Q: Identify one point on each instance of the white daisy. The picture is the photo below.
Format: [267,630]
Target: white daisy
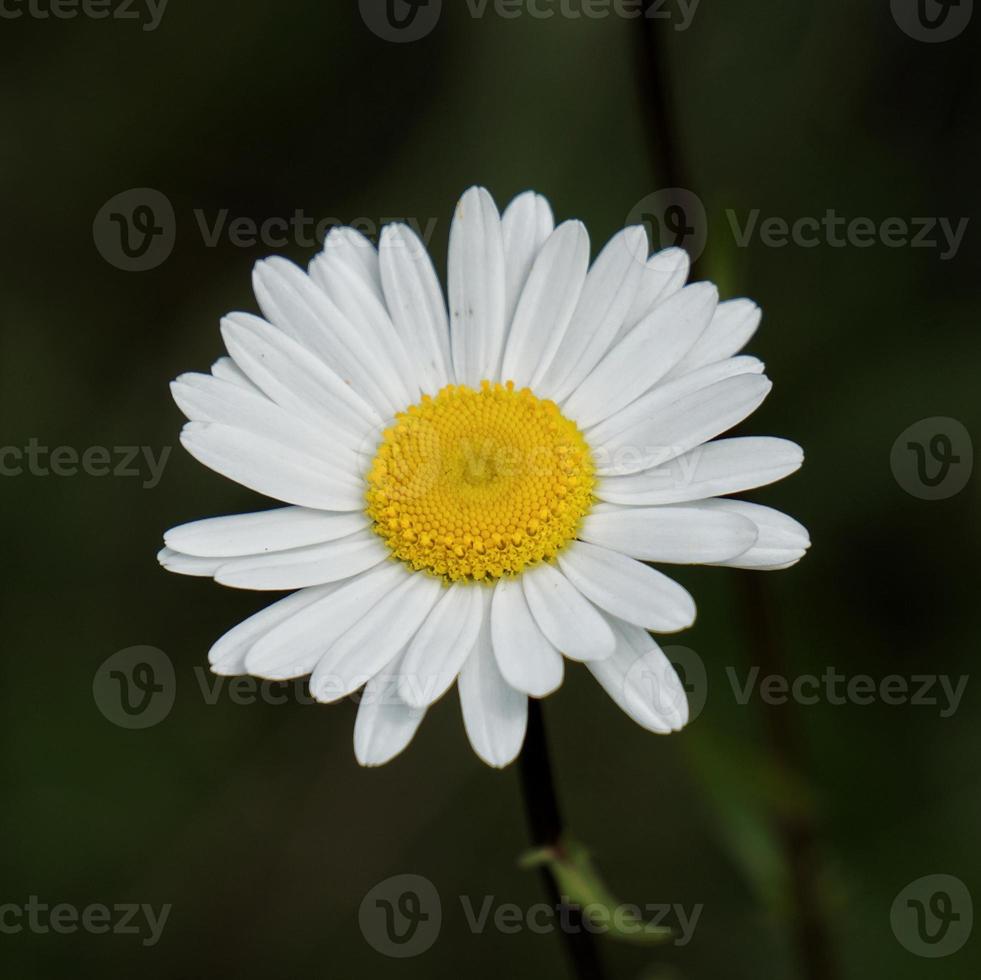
[474,495]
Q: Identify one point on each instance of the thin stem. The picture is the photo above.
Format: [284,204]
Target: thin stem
[545,827]
[796,827]
[656,102]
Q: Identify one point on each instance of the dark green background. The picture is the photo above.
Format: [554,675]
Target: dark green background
[255,821]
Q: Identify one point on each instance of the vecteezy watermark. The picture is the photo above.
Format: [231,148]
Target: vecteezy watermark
[919,690]
[402,21]
[136,687]
[837,231]
[675,216]
[647,685]
[136,230]
[669,469]
[624,919]
[679,12]
[933,916]
[401,916]
[124,462]
[933,459]
[148,13]
[932,21]
[40,918]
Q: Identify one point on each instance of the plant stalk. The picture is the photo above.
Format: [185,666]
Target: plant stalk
[545,826]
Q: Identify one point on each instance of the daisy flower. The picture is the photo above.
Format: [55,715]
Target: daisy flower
[476,489]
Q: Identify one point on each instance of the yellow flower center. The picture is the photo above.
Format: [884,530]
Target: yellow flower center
[472,485]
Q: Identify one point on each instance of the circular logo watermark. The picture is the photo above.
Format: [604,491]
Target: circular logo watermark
[933,459]
[401,21]
[666,687]
[401,916]
[674,217]
[135,231]
[932,21]
[136,687]
[933,916]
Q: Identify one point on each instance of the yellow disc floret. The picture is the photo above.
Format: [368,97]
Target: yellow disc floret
[475,485]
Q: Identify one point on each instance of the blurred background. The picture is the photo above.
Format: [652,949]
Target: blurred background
[792,831]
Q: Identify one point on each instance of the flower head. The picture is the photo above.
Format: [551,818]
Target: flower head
[476,489]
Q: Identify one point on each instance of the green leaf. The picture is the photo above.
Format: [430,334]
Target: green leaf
[582,887]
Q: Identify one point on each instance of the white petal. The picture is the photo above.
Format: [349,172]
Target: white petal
[261,532]
[359,253]
[292,301]
[664,274]
[495,715]
[444,641]
[227,656]
[292,648]
[271,469]
[476,288]
[733,325]
[679,427]
[781,540]
[642,681]
[677,534]
[547,303]
[298,380]
[339,272]
[526,224]
[527,660]
[711,470]
[298,568]
[665,394]
[644,356]
[375,640]
[628,589]
[203,398]
[570,622]
[385,723]
[225,369]
[607,297]
[415,301]
[180,564]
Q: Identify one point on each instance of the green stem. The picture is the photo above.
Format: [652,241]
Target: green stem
[545,826]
